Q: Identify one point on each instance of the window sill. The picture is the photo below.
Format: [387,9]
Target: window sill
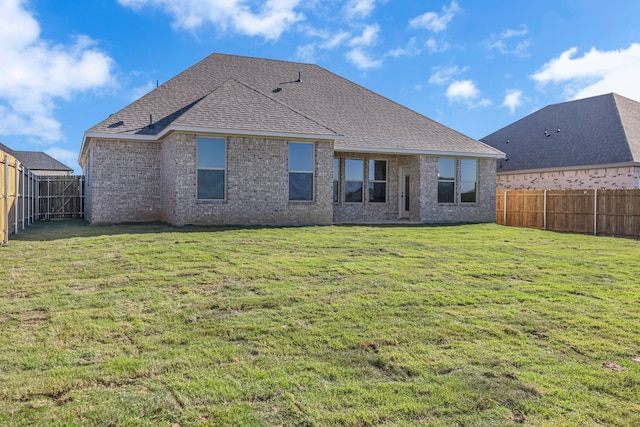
[210,202]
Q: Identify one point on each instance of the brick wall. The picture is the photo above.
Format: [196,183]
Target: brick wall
[124,181]
[612,177]
[132,181]
[365,211]
[257,179]
[433,212]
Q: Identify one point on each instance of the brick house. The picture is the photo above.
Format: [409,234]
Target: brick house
[589,143]
[239,140]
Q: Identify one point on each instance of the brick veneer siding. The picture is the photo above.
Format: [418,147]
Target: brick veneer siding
[366,211]
[433,212]
[588,178]
[124,181]
[257,184]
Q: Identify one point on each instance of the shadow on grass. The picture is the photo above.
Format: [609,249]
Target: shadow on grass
[72,228]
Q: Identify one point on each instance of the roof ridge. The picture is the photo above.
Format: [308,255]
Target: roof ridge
[279,102]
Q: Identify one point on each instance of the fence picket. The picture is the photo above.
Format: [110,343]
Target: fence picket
[610,212]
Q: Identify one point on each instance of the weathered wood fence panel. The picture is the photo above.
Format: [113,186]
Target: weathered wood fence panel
[61,197]
[598,212]
[18,196]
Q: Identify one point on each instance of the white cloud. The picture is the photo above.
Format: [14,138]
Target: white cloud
[502,42]
[436,22]
[595,73]
[68,157]
[409,50]
[513,99]
[35,73]
[443,75]
[306,53]
[465,91]
[270,21]
[359,8]
[335,40]
[369,36]
[435,47]
[362,60]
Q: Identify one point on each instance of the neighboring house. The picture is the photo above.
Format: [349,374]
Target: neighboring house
[239,140]
[584,144]
[39,163]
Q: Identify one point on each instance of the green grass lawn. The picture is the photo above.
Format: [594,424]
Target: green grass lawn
[467,325]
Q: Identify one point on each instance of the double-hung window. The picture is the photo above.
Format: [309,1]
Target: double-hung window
[377,181]
[336,180]
[211,161]
[468,181]
[446,180]
[301,161]
[353,180]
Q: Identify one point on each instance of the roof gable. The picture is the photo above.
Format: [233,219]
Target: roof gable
[233,106]
[588,131]
[314,98]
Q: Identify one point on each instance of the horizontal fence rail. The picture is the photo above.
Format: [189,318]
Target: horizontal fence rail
[599,212]
[61,197]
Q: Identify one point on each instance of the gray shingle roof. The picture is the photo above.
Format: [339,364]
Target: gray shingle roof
[37,160]
[234,92]
[599,130]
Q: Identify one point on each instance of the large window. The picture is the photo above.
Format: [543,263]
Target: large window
[468,181]
[211,168]
[377,181]
[446,180]
[353,180]
[336,180]
[301,171]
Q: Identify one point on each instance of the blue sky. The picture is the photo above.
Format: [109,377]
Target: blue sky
[472,65]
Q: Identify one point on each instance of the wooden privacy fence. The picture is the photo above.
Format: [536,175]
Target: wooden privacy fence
[61,197]
[597,212]
[18,196]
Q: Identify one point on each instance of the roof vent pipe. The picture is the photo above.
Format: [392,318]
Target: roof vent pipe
[151,125]
[299,77]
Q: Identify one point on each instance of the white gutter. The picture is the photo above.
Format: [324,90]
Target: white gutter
[338,147]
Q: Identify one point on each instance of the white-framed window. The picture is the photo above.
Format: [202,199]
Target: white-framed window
[211,161]
[377,181]
[353,180]
[336,180]
[446,180]
[301,161]
[468,181]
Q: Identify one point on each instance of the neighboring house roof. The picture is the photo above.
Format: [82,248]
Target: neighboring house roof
[601,130]
[6,149]
[37,160]
[235,93]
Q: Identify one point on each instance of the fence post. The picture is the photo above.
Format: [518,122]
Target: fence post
[504,219]
[595,212]
[6,199]
[15,200]
[544,208]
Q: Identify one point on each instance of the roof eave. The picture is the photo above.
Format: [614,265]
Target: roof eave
[198,129]
[570,168]
[409,151]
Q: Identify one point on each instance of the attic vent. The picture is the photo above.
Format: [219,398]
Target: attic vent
[116,124]
[276,90]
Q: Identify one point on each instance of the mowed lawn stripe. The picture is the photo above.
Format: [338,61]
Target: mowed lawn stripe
[338,325]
